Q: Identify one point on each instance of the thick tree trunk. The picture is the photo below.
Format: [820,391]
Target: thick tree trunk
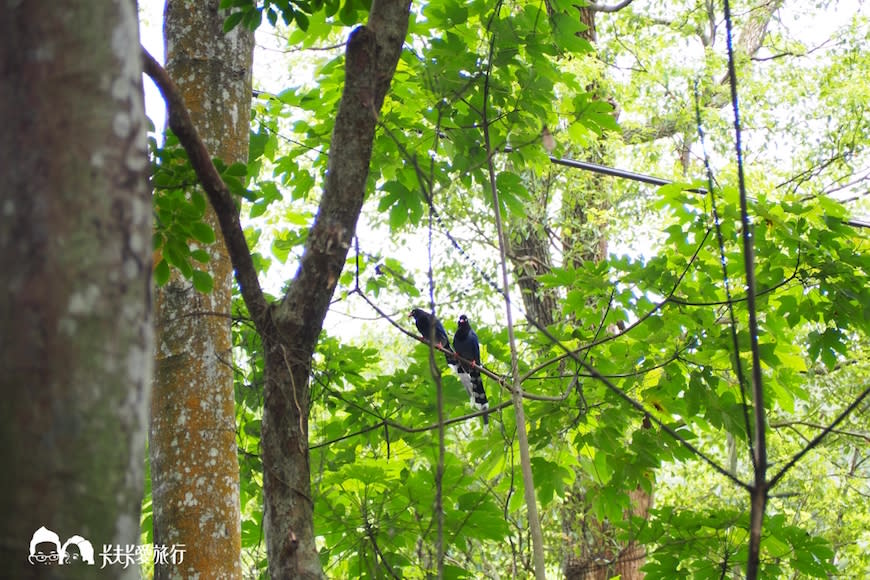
[530,257]
[290,328]
[370,61]
[75,297]
[593,553]
[194,462]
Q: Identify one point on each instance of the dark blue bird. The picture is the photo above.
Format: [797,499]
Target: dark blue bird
[423,320]
[467,346]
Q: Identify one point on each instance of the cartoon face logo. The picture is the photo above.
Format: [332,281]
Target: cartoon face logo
[77,549]
[45,549]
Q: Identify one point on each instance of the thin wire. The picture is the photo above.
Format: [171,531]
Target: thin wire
[855,221]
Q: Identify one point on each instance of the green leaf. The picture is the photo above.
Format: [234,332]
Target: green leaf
[832,208]
[301,20]
[398,215]
[233,20]
[237,169]
[200,256]
[258,208]
[257,144]
[202,281]
[202,232]
[566,29]
[176,252]
[197,200]
[161,272]
[550,479]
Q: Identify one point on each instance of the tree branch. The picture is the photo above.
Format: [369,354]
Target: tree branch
[818,439]
[637,405]
[217,191]
[752,35]
[370,61]
[604,8]
[781,424]
[517,395]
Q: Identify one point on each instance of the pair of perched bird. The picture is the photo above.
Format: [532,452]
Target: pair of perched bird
[465,344]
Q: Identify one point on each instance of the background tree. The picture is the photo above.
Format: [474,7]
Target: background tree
[194,465]
[289,329]
[75,321]
[466,282]
[577,231]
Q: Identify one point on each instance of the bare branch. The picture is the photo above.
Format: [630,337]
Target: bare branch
[782,424]
[605,8]
[217,191]
[522,436]
[818,439]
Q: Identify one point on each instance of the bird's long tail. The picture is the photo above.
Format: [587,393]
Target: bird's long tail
[473,383]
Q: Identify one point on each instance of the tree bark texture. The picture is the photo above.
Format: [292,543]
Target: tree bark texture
[594,553]
[194,463]
[290,328]
[75,274]
[530,256]
[371,55]
[591,551]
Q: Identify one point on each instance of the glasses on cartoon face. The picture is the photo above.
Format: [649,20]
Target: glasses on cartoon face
[45,553]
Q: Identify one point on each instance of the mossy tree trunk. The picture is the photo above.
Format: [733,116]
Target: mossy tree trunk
[194,462]
[75,282]
[290,327]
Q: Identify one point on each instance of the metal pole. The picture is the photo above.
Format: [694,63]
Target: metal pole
[857,222]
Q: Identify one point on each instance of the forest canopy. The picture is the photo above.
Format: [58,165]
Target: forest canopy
[676,351]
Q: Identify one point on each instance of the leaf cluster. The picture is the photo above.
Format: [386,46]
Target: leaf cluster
[182,232]
[655,325]
[249,13]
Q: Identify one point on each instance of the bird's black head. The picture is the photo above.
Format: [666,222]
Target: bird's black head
[415,313]
[463,321]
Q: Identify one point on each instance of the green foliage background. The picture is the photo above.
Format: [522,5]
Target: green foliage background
[373,438]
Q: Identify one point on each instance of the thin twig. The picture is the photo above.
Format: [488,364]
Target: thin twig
[522,436]
[760,487]
[637,405]
[818,439]
[738,362]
